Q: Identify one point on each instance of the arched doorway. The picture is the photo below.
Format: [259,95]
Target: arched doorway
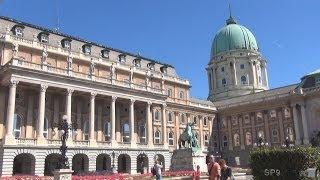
[24,164]
[160,159]
[103,162]
[51,163]
[80,163]
[124,163]
[142,163]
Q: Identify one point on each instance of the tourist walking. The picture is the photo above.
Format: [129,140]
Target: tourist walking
[157,169]
[226,171]
[213,169]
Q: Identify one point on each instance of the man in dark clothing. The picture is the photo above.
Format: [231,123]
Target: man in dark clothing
[226,172]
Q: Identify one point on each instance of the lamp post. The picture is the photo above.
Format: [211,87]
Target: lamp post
[64,128]
[287,143]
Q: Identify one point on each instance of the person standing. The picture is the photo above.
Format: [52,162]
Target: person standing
[226,171]
[157,168]
[214,169]
[196,175]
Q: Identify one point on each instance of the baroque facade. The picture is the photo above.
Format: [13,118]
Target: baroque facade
[126,110]
[247,108]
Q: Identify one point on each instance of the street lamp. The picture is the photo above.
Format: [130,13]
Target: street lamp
[64,128]
[287,143]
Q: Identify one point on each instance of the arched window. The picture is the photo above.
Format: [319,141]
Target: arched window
[45,127]
[289,132]
[181,95]
[169,92]
[205,123]
[215,141]
[142,133]
[125,132]
[170,138]
[248,138]
[17,125]
[170,117]
[107,131]
[195,119]
[224,82]
[225,141]
[236,139]
[182,119]
[156,115]
[206,140]
[157,137]
[243,80]
[275,136]
[86,131]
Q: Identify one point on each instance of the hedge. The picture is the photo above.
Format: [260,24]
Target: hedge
[282,163]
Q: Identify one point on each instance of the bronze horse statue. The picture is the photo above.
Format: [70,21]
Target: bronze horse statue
[188,136]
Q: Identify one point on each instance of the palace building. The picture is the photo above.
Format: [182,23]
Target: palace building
[126,110]
[246,107]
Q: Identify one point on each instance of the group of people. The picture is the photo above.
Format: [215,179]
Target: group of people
[218,170]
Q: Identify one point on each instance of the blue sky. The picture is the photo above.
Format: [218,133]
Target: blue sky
[180,32]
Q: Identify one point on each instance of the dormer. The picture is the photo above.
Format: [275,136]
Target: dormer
[122,58]
[43,37]
[17,30]
[86,49]
[164,69]
[137,62]
[151,66]
[105,53]
[66,43]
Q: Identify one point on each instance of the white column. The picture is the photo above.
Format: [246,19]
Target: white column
[296,125]
[304,124]
[214,74]
[9,138]
[92,119]
[235,73]
[149,123]
[164,125]
[113,119]
[68,105]
[131,119]
[41,114]
[68,113]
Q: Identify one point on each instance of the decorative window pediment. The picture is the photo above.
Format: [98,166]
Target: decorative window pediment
[43,37]
[86,49]
[17,30]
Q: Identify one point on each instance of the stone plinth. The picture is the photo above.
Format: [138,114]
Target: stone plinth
[188,159]
[62,174]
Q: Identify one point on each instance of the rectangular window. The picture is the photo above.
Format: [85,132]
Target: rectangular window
[241,66]
[19,31]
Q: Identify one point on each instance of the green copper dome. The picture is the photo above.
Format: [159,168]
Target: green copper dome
[231,37]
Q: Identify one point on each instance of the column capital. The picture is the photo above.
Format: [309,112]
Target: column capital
[164,105]
[70,91]
[93,94]
[114,98]
[132,100]
[149,103]
[13,82]
[43,87]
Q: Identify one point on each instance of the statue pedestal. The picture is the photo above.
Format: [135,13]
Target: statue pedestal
[62,174]
[188,159]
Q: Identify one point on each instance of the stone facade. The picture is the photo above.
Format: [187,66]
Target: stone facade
[126,110]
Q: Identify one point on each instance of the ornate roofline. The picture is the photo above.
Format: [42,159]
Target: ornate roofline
[80,39]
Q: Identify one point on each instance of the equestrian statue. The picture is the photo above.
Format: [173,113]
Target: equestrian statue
[189,137]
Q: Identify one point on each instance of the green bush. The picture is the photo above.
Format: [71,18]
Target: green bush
[282,163]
